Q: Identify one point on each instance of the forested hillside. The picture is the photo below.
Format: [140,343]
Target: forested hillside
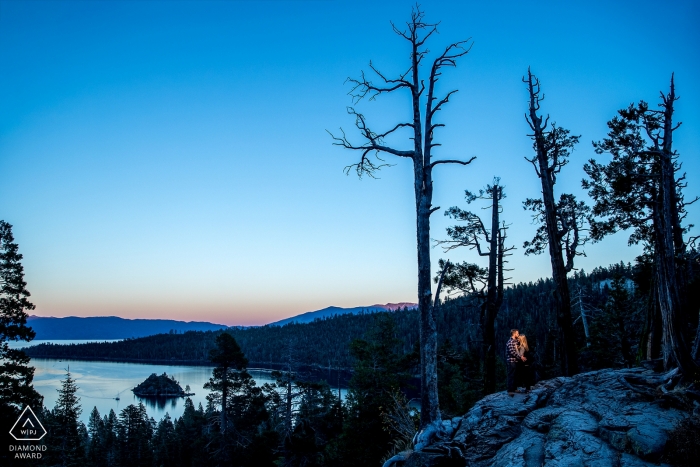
[326,343]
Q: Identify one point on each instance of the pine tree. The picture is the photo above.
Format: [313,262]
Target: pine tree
[135,431]
[110,438]
[230,363]
[189,429]
[66,441]
[244,418]
[615,327]
[96,426]
[640,189]
[16,390]
[164,447]
[379,373]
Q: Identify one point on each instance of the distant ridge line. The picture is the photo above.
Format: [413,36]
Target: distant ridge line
[114,327]
[396,306]
[335,311]
[111,327]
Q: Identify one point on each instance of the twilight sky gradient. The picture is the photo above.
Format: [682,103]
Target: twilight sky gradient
[170,159]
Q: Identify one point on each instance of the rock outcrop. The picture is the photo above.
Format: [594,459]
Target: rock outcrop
[160,386]
[603,418]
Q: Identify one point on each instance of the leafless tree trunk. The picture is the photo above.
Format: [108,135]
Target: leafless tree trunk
[421,132]
[584,318]
[669,247]
[696,343]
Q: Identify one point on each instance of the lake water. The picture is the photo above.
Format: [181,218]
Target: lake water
[100,383]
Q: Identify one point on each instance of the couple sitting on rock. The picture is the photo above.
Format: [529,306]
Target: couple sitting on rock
[518,361]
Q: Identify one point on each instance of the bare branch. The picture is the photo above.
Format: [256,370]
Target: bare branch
[400,125]
[430,33]
[533,161]
[451,161]
[363,87]
[401,78]
[442,101]
[374,140]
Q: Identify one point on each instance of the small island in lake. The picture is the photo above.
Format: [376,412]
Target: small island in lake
[161,386]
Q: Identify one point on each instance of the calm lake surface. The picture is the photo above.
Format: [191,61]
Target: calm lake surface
[100,383]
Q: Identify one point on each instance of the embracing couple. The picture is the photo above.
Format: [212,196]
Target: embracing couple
[518,361]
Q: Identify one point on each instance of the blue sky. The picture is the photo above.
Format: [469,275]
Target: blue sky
[171,160]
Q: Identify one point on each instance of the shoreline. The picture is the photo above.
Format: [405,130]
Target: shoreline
[316,372]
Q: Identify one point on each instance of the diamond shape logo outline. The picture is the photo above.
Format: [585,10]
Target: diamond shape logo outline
[28,418]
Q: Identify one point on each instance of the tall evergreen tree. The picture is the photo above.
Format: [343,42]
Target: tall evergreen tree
[134,432]
[230,361]
[243,420]
[379,372]
[639,190]
[614,328]
[189,431]
[16,390]
[109,435]
[96,427]
[164,443]
[66,443]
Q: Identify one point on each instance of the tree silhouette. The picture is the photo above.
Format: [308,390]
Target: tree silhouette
[488,242]
[639,190]
[230,361]
[135,431]
[561,222]
[421,129]
[65,427]
[379,372]
[16,390]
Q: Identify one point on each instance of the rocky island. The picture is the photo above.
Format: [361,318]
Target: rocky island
[161,386]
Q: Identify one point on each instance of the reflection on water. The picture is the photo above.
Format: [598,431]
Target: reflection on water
[160,403]
[107,385]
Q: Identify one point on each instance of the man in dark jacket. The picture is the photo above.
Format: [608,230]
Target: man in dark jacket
[512,357]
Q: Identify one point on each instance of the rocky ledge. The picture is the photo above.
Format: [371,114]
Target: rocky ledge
[604,418]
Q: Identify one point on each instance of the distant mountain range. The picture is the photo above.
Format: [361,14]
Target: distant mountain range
[335,310]
[113,327]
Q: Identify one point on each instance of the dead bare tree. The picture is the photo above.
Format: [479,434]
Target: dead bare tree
[421,129]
